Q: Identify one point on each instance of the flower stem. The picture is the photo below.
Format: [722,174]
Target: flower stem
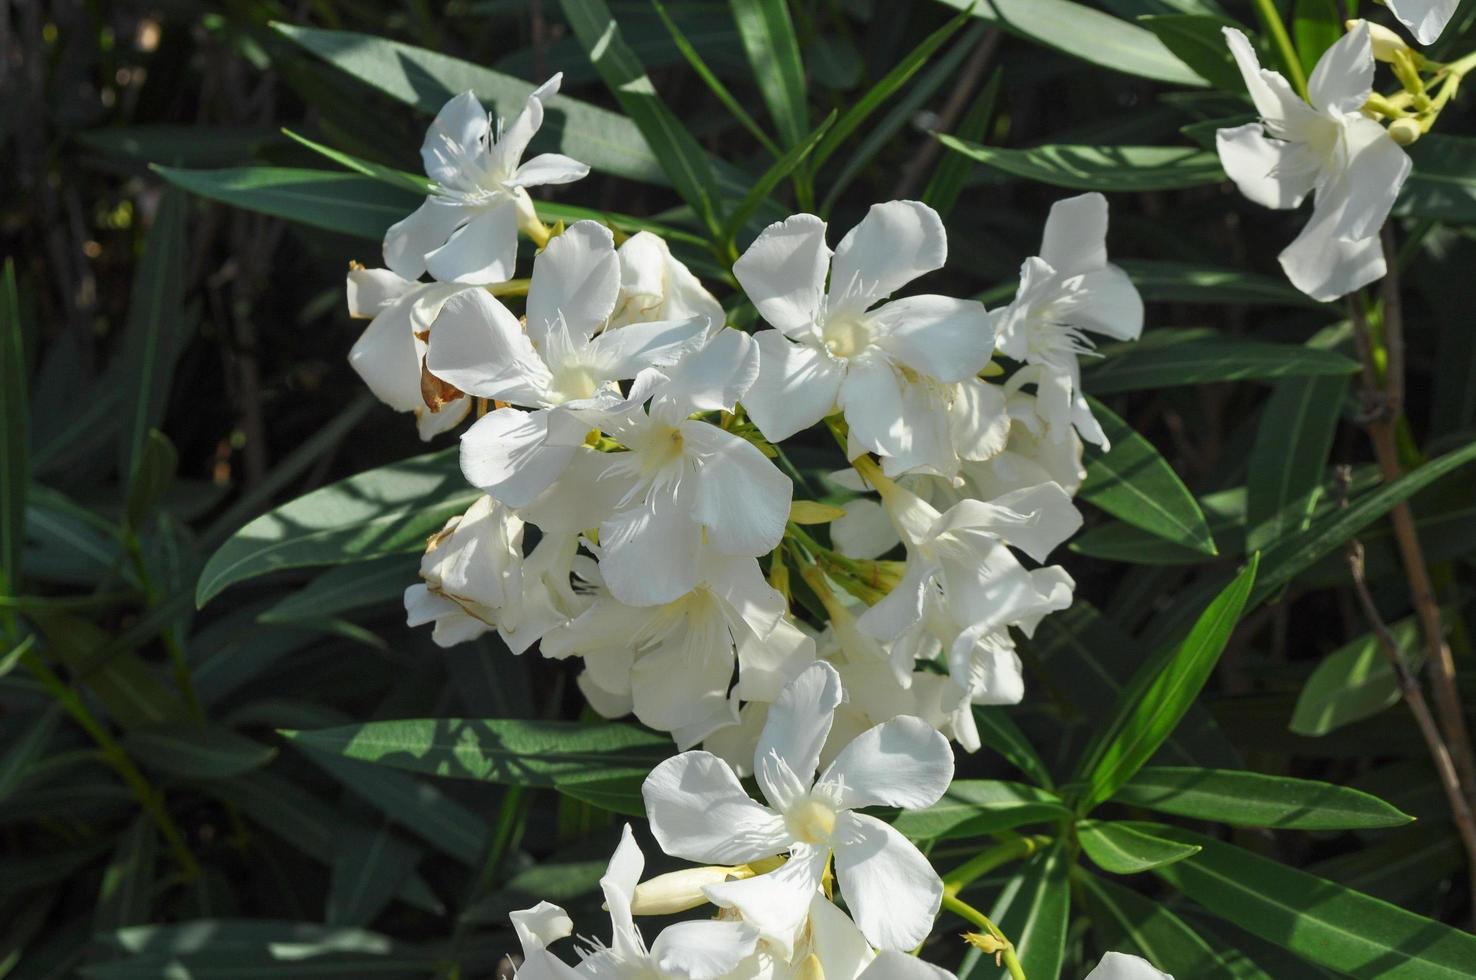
[965,911]
[989,859]
[1271,20]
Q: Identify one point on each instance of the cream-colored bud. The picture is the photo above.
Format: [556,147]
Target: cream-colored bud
[1405,130]
[678,891]
[1386,44]
[811,969]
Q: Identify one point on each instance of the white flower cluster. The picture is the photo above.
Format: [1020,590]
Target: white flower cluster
[634,516]
[625,444]
[768,869]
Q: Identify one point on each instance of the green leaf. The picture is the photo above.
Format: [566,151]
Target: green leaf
[773,52]
[1122,849]
[1316,26]
[349,204]
[607,141]
[952,171]
[677,150]
[369,867]
[1124,920]
[885,88]
[25,749]
[129,688]
[1249,799]
[342,589]
[1316,918]
[999,731]
[1442,185]
[765,185]
[603,764]
[1289,458]
[155,330]
[14,444]
[198,751]
[1184,282]
[1198,42]
[390,510]
[1099,168]
[1354,682]
[1224,512]
[975,807]
[1032,910]
[184,146]
[1173,358]
[126,895]
[1086,34]
[1160,694]
[155,472]
[1133,483]
[388,175]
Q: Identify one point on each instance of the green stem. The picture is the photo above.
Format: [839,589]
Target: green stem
[989,859]
[1271,20]
[180,666]
[115,756]
[966,911]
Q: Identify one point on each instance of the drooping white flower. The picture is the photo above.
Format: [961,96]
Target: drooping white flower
[904,373]
[1328,148]
[1066,292]
[537,927]
[655,285]
[390,354]
[699,811]
[1426,19]
[1123,966]
[697,950]
[564,366]
[673,664]
[467,229]
[686,482]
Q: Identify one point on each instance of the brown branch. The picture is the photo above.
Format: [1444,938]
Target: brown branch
[1383,399]
[958,100]
[1414,696]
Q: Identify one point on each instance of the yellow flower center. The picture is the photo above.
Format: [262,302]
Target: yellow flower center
[811,822]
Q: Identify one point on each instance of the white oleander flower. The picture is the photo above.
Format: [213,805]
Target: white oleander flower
[1328,148]
[904,373]
[829,947]
[564,365]
[1066,292]
[1426,19]
[390,354]
[654,285]
[1122,966]
[697,950]
[467,229]
[686,482]
[865,531]
[536,928]
[700,812]
[900,966]
[673,664]
[1034,454]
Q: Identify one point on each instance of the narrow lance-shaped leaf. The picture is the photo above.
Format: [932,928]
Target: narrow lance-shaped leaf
[975,807]
[369,867]
[952,170]
[773,52]
[1250,799]
[1133,483]
[1354,682]
[125,896]
[1099,168]
[1160,695]
[1171,358]
[14,445]
[1123,849]
[1033,911]
[1199,42]
[765,185]
[1315,918]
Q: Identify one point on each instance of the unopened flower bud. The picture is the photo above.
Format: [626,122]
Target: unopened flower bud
[1386,44]
[1405,130]
[679,891]
[984,942]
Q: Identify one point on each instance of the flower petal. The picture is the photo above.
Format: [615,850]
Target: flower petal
[457,133]
[482,252]
[901,608]
[777,903]
[894,244]
[650,552]
[1274,98]
[903,763]
[477,345]
[767,663]
[836,942]
[865,531]
[622,353]
[1325,266]
[411,239]
[871,399]
[713,378]
[1121,966]
[514,139]
[1110,304]
[536,928]
[1258,165]
[1343,78]
[618,884]
[799,721]
[1426,19]
[1376,173]
[892,891]
[742,498]
[1036,519]
[371,290]
[386,358]
[783,272]
[1075,238]
[506,455]
[703,950]
[685,679]
[796,386]
[945,338]
[657,286]
[700,812]
[576,279]
[892,965]
[548,168]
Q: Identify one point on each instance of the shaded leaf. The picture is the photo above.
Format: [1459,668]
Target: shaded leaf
[1198,42]
[1099,168]
[369,867]
[125,897]
[199,751]
[1289,458]
[1171,358]
[349,204]
[1123,849]
[14,434]
[1354,682]
[1126,921]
